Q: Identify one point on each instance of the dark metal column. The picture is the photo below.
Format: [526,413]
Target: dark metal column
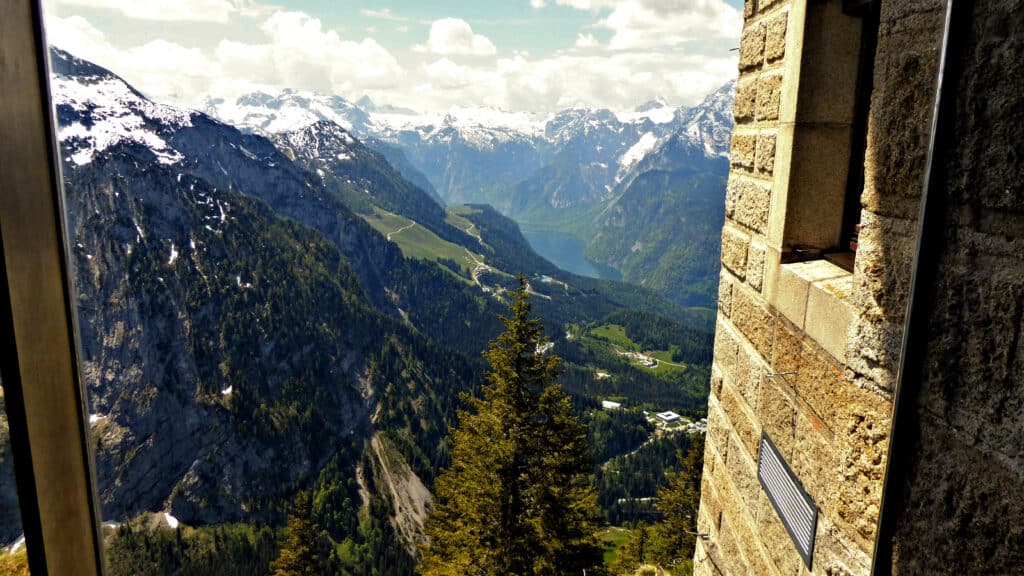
[44,398]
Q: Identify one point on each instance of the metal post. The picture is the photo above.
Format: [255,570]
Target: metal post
[39,366]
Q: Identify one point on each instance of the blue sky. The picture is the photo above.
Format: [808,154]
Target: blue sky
[429,55]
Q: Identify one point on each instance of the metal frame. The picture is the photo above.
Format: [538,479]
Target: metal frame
[767,444]
[49,433]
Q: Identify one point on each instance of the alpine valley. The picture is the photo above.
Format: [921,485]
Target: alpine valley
[292,292]
[641,191]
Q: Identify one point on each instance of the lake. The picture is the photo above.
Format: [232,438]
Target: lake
[566,252]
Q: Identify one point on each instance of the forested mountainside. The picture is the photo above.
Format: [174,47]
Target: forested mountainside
[659,170]
[260,317]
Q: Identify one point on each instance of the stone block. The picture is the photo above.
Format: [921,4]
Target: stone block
[867,421]
[769,97]
[753,319]
[748,202]
[777,543]
[716,380]
[742,468]
[741,418]
[745,104]
[822,384]
[816,461]
[766,5]
[755,266]
[776,411]
[748,8]
[725,294]
[752,47]
[775,41]
[794,283]
[718,429]
[727,552]
[726,348]
[764,157]
[734,251]
[829,313]
[709,504]
[835,553]
[748,375]
[788,351]
[742,151]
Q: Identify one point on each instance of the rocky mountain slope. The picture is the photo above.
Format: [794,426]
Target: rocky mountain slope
[570,172]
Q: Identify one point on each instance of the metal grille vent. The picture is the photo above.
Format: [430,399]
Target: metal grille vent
[794,505]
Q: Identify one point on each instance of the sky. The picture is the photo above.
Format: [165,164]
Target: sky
[535,56]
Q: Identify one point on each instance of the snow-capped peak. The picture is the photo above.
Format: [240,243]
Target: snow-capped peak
[116,113]
[288,111]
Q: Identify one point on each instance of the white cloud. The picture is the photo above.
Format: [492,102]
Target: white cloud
[586,41]
[383,14]
[645,24]
[538,3]
[300,53]
[455,36]
[159,68]
[297,51]
[190,10]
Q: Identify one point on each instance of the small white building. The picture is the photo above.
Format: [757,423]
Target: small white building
[668,417]
[609,405]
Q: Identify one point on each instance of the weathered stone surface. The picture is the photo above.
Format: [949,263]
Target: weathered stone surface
[788,348]
[725,294]
[726,348]
[742,151]
[769,96]
[745,103]
[779,546]
[709,503]
[775,43]
[748,375]
[718,429]
[752,46]
[764,160]
[835,554]
[776,411]
[750,202]
[755,266]
[734,251]
[866,435]
[716,380]
[743,471]
[905,71]
[753,319]
[816,461]
[822,385]
[830,314]
[741,418]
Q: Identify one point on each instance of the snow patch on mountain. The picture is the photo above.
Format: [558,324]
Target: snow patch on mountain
[637,151]
[117,114]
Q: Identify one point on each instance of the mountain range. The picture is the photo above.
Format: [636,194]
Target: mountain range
[262,312]
[570,172]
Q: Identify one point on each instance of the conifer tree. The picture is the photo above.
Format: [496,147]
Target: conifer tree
[515,500]
[679,501]
[302,551]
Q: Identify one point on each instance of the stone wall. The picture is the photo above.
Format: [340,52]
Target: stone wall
[804,350]
[963,500]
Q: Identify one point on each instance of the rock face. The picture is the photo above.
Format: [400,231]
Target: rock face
[199,254]
[965,478]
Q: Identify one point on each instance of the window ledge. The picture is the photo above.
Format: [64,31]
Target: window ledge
[816,295]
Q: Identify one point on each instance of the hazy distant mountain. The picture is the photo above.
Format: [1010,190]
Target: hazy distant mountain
[573,171]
